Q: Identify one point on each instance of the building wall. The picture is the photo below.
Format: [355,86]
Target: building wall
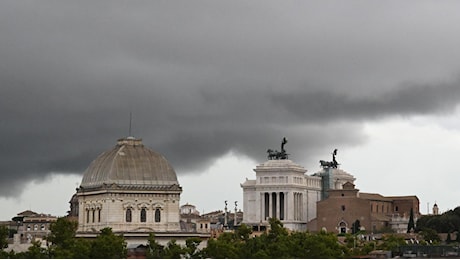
[283,185]
[280,190]
[404,205]
[374,211]
[344,209]
[112,208]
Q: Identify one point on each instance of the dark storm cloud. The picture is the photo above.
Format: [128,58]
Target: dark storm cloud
[204,78]
[410,100]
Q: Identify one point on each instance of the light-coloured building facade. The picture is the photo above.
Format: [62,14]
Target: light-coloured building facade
[283,190]
[134,191]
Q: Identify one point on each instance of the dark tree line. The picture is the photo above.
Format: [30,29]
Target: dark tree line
[64,244]
[276,243]
[447,222]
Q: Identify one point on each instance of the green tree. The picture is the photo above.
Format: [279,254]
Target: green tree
[36,251]
[108,245]
[4,233]
[277,240]
[81,248]
[449,238]
[449,221]
[323,245]
[225,246]
[191,248]
[243,232]
[411,224]
[154,249]
[430,235]
[173,250]
[391,242]
[356,227]
[62,238]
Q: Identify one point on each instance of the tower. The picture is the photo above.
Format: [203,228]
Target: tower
[435,209]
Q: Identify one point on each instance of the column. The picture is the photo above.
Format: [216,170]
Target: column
[261,206]
[281,206]
[270,205]
[266,206]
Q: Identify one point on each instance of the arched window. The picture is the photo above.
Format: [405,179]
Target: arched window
[143,215]
[42,228]
[35,227]
[129,215]
[87,216]
[157,215]
[99,215]
[93,214]
[342,227]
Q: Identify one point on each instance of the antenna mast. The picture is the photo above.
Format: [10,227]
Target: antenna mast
[130,121]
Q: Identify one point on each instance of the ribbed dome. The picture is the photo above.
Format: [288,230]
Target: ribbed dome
[130,164]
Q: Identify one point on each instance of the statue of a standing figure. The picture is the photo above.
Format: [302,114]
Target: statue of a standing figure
[334,162]
[283,154]
[282,144]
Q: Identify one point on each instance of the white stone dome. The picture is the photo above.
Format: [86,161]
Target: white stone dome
[130,165]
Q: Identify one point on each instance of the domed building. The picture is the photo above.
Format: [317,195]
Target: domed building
[132,190]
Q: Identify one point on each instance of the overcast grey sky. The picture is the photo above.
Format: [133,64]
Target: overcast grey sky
[207,78]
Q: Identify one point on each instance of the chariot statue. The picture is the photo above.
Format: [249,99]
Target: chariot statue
[332,164]
[275,155]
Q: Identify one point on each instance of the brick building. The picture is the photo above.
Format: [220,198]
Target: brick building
[343,207]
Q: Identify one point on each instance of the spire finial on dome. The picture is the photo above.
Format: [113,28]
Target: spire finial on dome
[130,121]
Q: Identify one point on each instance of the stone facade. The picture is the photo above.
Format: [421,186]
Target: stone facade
[132,190]
[283,190]
[129,211]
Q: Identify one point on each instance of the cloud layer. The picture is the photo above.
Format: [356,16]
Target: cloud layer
[203,77]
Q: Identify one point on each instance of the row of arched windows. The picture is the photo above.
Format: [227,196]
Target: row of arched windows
[91,215]
[42,227]
[143,215]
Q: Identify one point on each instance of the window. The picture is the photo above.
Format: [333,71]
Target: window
[129,215]
[396,208]
[157,215]
[343,207]
[143,215]
[87,216]
[206,226]
[342,227]
[42,228]
[35,227]
[99,215]
[93,211]
[28,227]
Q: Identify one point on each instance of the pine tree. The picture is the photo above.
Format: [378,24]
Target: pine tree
[411,225]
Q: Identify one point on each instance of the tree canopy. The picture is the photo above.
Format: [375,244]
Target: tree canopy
[447,222]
